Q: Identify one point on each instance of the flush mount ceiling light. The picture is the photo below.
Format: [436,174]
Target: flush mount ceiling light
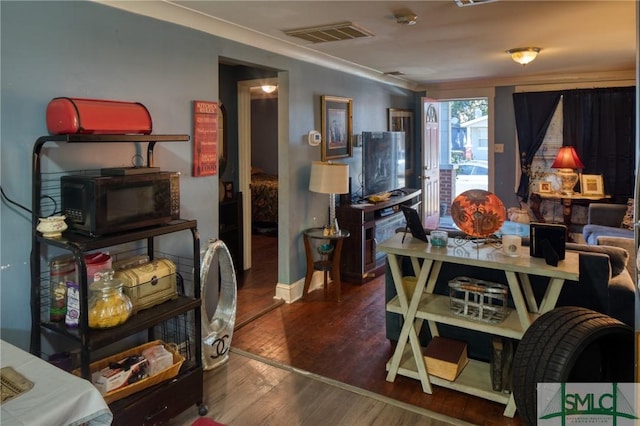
[524,55]
[269,88]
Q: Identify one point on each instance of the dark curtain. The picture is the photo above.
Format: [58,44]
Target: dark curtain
[600,124]
[533,113]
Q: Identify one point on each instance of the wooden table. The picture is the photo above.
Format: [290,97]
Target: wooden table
[423,304]
[567,201]
[57,397]
[331,262]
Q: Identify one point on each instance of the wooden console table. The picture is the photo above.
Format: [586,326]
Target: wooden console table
[423,304]
[567,203]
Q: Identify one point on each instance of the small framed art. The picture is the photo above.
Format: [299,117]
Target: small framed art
[401,120]
[544,187]
[592,185]
[337,127]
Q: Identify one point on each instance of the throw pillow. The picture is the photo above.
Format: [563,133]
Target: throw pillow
[627,221]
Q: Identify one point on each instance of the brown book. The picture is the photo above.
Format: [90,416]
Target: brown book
[445,358]
[497,362]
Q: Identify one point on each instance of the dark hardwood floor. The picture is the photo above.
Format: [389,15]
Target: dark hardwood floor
[342,341]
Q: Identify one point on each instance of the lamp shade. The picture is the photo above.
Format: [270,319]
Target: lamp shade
[329,178]
[567,158]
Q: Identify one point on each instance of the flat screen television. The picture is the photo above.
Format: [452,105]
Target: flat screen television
[382,162]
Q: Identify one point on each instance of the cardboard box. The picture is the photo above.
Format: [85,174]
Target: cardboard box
[114,376]
[445,358]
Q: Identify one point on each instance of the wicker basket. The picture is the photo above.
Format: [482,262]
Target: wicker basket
[125,391]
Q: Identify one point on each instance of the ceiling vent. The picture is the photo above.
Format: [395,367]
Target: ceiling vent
[333,32]
[395,73]
[462,3]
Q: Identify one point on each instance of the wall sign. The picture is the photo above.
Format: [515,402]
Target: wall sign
[205,138]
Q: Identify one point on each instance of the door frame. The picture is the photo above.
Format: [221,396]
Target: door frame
[244,160]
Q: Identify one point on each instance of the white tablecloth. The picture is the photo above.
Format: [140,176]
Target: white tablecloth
[57,397]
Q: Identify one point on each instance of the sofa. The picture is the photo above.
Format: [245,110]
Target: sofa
[606,225]
[604,286]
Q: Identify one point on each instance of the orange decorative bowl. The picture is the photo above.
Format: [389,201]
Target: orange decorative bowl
[478,213]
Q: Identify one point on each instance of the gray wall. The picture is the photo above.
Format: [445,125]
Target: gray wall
[83,49]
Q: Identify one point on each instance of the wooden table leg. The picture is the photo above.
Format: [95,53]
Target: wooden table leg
[307,278]
[335,269]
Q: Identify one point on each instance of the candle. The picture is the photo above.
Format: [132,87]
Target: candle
[511,244]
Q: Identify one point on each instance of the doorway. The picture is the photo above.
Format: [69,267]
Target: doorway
[465,154]
[258,182]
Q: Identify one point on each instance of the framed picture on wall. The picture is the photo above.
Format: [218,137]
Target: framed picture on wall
[592,185]
[337,127]
[401,120]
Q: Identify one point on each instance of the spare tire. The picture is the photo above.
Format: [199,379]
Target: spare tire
[571,345]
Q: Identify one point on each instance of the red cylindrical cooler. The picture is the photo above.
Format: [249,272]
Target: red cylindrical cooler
[95,116]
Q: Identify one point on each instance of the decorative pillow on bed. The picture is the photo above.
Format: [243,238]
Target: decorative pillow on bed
[627,221]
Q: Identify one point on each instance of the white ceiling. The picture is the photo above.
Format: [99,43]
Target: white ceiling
[448,45]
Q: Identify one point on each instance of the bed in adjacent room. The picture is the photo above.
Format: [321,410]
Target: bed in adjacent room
[264,199]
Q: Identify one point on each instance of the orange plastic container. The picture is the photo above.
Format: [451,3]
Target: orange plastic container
[95,116]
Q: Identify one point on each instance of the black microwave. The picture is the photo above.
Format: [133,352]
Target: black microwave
[97,204]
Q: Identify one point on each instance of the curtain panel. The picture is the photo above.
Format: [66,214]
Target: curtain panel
[533,113]
[599,123]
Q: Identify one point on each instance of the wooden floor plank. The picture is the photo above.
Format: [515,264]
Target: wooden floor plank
[344,342]
[246,391]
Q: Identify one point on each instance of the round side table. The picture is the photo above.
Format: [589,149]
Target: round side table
[330,257]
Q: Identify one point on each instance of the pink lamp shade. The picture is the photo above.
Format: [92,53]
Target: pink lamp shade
[478,213]
[567,158]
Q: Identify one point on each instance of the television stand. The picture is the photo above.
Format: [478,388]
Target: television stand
[370,224]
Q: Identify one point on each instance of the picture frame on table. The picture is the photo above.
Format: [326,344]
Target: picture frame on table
[544,187]
[337,127]
[592,185]
[401,120]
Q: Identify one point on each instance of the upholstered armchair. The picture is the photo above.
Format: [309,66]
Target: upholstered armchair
[605,227]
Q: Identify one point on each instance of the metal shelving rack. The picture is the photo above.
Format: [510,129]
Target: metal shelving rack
[156,403]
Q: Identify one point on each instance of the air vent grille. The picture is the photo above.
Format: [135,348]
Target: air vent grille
[333,32]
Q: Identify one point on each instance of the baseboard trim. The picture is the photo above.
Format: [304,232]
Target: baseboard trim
[292,292]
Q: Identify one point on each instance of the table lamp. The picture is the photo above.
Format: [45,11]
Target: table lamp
[329,178]
[566,161]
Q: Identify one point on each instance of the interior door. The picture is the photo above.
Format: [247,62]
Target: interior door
[430,164]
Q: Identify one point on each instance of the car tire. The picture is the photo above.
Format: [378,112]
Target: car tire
[570,344]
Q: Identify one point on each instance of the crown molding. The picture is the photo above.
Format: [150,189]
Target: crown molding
[180,15]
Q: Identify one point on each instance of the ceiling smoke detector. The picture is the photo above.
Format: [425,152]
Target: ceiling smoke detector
[408,18]
[332,32]
[463,3]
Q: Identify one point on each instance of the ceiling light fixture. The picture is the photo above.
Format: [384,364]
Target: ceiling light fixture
[269,88]
[524,55]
